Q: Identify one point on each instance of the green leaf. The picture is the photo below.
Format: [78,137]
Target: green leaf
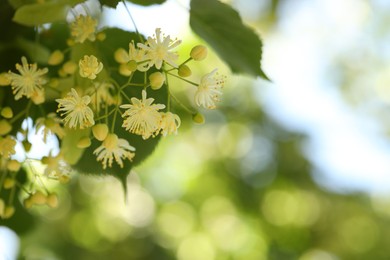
[38,52]
[147,2]
[221,27]
[17,3]
[110,3]
[37,14]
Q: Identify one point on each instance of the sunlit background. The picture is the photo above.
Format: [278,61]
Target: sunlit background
[295,168]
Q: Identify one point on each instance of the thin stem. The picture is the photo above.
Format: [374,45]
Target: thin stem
[42,110]
[3,175]
[125,95]
[12,195]
[114,119]
[186,80]
[169,93]
[182,105]
[187,60]
[132,20]
[21,113]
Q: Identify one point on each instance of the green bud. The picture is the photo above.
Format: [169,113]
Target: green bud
[8,212]
[56,58]
[156,80]
[38,198]
[100,131]
[6,112]
[28,203]
[101,36]
[199,52]
[26,145]
[5,127]
[52,200]
[198,118]
[13,165]
[2,207]
[184,71]
[132,65]
[69,67]
[9,183]
[84,142]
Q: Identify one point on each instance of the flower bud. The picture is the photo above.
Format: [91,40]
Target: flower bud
[38,198]
[54,82]
[8,212]
[63,179]
[100,131]
[56,57]
[38,97]
[156,80]
[28,203]
[70,42]
[6,112]
[131,65]
[184,71]
[62,73]
[4,79]
[13,165]
[2,207]
[52,200]
[101,36]
[84,142]
[198,118]
[8,183]
[69,67]
[199,52]
[5,127]
[26,145]
[111,141]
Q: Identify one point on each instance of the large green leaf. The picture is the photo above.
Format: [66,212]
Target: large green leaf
[221,26]
[48,12]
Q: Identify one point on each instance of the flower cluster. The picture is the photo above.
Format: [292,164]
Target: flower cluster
[103,108]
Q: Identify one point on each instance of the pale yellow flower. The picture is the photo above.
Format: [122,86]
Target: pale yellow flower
[159,48]
[83,28]
[76,109]
[114,148]
[7,146]
[56,167]
[142,117]
[169,123]
[29,81]
[90,67]
[123,57]
[50,125]
[209,90]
